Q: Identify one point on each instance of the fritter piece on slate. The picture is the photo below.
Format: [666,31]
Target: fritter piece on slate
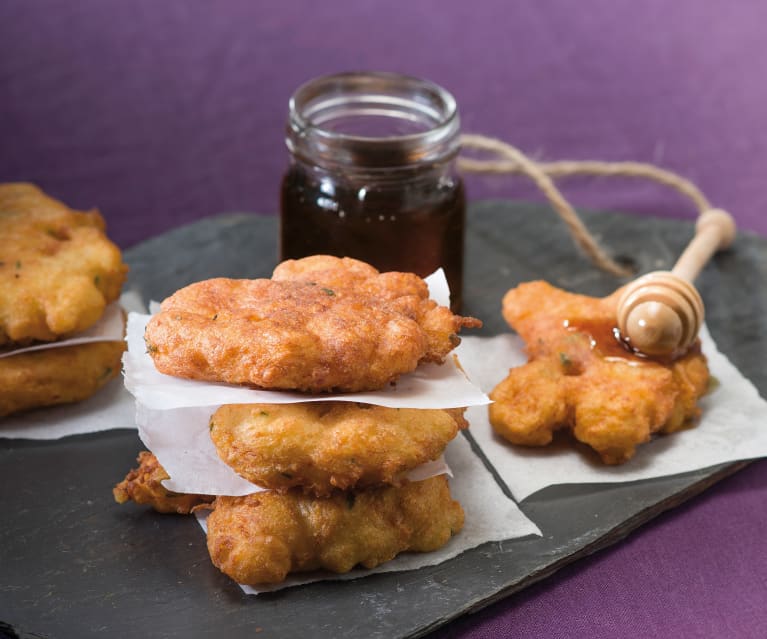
[58,269]
[54,376]
[260,538]
[320,324]
[581,376]
[323,446]
[142,485]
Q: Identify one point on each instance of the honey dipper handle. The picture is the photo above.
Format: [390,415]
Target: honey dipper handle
[662,312]
[714,231]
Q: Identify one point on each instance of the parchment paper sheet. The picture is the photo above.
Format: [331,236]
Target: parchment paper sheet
[733,427]
[111,407]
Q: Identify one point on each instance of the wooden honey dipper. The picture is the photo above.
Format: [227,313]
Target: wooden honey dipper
[661,312]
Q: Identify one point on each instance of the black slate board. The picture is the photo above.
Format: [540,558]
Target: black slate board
[74,564]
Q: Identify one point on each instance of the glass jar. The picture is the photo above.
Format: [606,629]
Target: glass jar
[371,175]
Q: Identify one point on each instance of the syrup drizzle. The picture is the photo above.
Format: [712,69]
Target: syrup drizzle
[606,340]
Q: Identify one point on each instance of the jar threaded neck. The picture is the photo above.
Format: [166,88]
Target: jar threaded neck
[372,120]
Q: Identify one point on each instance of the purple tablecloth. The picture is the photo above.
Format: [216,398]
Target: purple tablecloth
[160,113]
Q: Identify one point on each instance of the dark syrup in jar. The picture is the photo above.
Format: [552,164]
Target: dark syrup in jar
[413,225]
[371,175]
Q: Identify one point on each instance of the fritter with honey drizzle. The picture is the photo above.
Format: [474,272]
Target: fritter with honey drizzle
[580,376]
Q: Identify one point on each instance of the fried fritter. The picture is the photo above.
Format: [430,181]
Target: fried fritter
[322,446]
[54,376]
[260,538]
[581,376]
[142,485]
[320,324]
[58,270]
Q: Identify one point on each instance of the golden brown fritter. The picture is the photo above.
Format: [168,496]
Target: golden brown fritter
[260,538]
[581,376]
[142,485]
[58,270]
[322,446]
[320,324]
[54,376]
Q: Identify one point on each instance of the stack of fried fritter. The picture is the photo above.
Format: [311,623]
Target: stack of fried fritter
[335,473]
[58,272]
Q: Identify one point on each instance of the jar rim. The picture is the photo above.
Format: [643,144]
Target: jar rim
[383,94]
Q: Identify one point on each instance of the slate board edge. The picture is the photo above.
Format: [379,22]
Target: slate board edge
[616,535]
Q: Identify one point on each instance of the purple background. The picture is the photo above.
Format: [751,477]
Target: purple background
[162,112]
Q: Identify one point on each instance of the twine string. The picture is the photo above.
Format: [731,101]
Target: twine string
[510,160]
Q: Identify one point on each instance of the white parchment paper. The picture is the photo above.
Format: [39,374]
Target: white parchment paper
[733,427]
[490,516]
[111,407]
